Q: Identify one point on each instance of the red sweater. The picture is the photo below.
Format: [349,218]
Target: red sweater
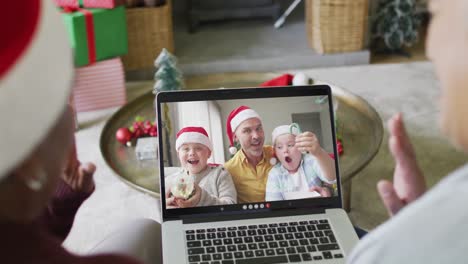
[40,242]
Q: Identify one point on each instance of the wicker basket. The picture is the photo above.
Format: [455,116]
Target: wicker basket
[149,31]
[336,25]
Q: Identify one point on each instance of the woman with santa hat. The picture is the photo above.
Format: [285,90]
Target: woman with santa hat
[42,184]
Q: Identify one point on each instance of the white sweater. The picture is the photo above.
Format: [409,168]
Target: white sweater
[433,229]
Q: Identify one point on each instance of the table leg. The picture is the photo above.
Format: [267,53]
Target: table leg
[347,195]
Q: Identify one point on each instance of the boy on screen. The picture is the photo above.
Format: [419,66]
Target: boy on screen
[298,175]
[198,183]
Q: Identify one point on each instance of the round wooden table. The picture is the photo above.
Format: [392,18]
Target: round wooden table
[359,125]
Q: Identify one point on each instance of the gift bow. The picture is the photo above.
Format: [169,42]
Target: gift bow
[89,22]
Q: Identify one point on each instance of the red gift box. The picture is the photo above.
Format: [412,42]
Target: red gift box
[100,85]
[89,3]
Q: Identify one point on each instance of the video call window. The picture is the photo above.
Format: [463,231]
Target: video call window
[197,151]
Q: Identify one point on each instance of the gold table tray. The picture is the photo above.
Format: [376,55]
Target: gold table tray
[359,124]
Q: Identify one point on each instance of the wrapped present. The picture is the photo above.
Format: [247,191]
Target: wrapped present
[96,34]
[89,3]
[99,86]
[147,148]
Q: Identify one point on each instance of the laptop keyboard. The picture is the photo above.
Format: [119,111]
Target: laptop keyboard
[266,243]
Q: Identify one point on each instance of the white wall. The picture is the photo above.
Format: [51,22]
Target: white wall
[273,111]
[207,115]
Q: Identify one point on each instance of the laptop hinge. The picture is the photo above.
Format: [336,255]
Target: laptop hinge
[194,219]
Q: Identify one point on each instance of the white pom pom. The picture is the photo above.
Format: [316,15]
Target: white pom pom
[300,79]
[232,150]
[273,161]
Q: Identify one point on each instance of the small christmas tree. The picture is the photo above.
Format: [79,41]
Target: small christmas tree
[396,25]
[168,77]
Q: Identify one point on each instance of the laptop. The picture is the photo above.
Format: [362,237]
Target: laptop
[296,228]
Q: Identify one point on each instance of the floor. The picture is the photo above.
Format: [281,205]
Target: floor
[248,45]
[254,45]
[258,40]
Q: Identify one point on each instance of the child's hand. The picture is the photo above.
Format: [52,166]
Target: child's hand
[170,200]
[324,192]
[193,201]
[307,142]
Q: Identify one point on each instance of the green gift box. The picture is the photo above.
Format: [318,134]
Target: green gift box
[96,34]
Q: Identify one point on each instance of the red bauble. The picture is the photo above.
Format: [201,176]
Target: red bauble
[123,135]
[339,145]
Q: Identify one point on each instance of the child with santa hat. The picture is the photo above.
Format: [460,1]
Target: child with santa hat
[198,183]
[298,172]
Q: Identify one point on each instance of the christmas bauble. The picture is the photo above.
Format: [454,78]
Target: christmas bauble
[123,135]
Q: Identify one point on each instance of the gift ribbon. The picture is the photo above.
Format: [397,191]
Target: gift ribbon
[89,23]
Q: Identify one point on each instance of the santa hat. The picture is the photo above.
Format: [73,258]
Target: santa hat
[283,80]
[282,130]
[36,71]
[193,135]
[235,118]
[287,79]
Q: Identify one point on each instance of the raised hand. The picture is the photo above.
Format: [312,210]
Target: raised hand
[408,181]
[79,176]
[308,142]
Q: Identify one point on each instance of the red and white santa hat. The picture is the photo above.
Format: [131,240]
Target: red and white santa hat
[282,130]
[36,72]
[193,135]
[235,118]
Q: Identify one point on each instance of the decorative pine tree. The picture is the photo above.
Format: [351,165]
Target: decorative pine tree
[395,24]
[168,78]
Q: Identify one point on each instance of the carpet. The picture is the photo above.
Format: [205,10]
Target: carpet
[409,88]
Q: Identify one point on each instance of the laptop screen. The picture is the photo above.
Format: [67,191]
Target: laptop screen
[230,151]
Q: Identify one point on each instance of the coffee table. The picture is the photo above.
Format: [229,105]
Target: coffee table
[359,124]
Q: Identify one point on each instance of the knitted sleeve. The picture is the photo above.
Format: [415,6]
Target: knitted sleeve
[227,193]
[60,213]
